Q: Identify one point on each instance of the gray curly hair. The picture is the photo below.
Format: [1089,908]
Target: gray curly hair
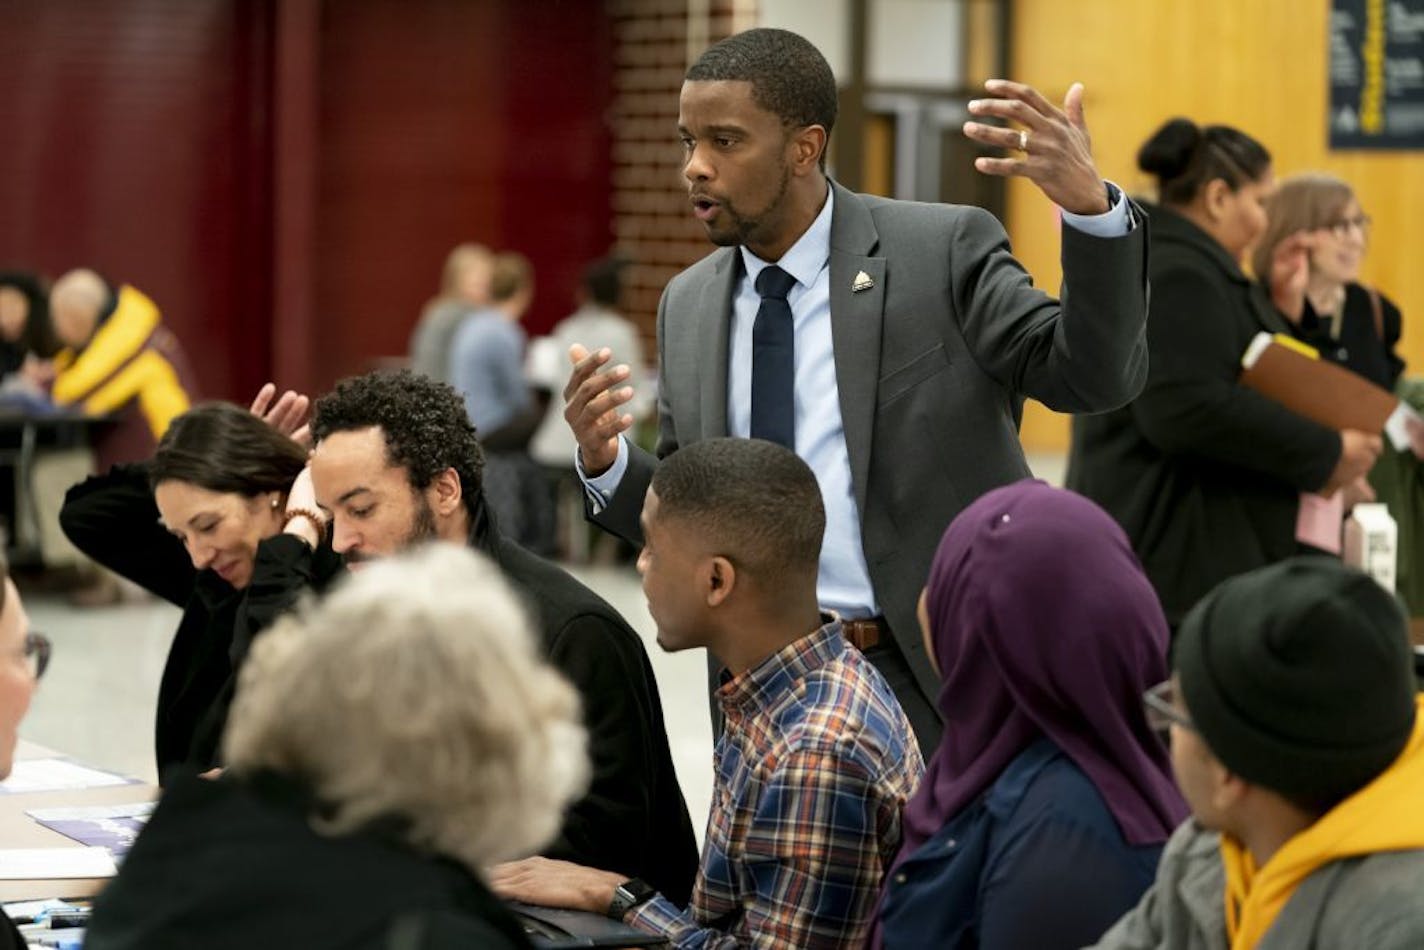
[415,690]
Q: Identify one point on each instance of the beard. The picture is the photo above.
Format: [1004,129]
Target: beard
[744,229]
[422,529]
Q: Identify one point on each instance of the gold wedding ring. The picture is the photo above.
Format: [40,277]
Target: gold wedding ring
[1023,140]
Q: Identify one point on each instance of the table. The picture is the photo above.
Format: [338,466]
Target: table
[18,830]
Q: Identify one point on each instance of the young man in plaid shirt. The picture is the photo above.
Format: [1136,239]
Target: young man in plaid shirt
[817,758]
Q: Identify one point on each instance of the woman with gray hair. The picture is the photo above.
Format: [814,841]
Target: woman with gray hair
[385,745]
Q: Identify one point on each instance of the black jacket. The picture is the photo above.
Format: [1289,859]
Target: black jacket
[633,820]
[1204,474]
[1361,342]
[234,864]
[113,519]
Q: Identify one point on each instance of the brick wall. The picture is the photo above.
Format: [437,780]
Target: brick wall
[654,41]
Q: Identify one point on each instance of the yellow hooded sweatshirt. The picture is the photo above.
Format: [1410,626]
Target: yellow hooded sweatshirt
[1385,815]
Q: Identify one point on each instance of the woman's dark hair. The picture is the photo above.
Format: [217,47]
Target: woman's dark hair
[223,448]
[1185,159]
[37,337]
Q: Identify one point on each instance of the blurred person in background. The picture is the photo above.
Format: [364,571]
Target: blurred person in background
[25,331]
[1045,808]
[192,526]
[118,359]
[386,745]
[487,368]
[1321,233]
[1348,322]
[1207,476]
[464,288]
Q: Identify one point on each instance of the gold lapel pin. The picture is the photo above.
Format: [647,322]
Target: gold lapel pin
[863,281]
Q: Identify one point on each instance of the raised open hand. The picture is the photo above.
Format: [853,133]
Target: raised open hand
[1057,154]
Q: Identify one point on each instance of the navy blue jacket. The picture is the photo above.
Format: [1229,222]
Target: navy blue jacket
[1037,861]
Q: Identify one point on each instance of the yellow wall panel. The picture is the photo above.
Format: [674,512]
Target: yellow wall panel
[1260,65]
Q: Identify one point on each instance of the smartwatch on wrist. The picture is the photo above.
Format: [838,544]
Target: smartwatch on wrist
[628,895]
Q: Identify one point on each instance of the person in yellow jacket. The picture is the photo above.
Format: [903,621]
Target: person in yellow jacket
[1297,742]
[118,360]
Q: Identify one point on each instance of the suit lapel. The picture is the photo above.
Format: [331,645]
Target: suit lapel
[856,318]
[713,346]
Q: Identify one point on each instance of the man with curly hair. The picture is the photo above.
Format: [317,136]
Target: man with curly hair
[397,463]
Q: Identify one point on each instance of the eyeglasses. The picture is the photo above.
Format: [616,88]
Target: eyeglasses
[1162,710]
[1341,226]
[35,653]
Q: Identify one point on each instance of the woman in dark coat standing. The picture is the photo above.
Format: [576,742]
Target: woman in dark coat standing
[1206,475]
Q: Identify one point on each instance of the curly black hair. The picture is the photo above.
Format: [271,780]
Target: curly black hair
[789,76]
[424,421]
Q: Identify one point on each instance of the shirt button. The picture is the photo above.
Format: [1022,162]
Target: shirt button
[901,878]
[951,844]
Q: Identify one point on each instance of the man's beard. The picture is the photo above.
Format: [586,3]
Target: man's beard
[746,229]
[422,529]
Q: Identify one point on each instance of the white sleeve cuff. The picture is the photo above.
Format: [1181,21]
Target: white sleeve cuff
[1114,222]
[600,489]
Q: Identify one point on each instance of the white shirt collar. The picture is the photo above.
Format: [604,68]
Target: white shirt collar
[808,255]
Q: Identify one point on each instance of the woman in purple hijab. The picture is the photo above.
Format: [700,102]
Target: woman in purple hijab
[1043,811]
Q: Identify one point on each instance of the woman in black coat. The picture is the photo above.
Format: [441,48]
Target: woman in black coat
[192,526]
[1204,474]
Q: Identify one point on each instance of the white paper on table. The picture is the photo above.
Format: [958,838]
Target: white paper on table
[54,775]
[92,812]
[1396,427]
[42,864]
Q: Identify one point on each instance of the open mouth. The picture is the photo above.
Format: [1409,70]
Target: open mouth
[704,207]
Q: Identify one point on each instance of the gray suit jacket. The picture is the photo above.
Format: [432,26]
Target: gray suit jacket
[1370,902]
[932,364]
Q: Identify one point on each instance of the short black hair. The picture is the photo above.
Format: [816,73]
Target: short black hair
[790,78]
[424,421]
[225,448]
[756,502]
[603,281]
[1185,159]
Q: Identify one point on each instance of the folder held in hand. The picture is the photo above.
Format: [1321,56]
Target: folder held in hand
[1293,374]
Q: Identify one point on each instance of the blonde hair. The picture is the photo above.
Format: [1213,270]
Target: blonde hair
[415,690]
[462,258]
[1301,203]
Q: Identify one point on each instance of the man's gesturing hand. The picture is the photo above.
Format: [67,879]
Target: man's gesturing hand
[1056,151]
[591,407]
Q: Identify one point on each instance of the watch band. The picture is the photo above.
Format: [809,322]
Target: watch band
[628,895]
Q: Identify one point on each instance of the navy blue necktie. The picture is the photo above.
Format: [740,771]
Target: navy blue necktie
[774,361]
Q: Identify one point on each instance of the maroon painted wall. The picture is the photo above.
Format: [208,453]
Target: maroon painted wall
[285,178]
[134,143]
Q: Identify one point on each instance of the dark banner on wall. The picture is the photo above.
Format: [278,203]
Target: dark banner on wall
[1377,74]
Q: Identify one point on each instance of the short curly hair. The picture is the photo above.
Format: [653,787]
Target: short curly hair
[416,691]
[424,421]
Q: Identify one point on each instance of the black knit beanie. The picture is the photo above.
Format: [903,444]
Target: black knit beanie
[1299,677]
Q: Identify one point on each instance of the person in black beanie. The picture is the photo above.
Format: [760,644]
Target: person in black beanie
[1296,740]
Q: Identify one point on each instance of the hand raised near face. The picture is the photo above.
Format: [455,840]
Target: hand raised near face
[1056,152]
[591,407]
[288,415]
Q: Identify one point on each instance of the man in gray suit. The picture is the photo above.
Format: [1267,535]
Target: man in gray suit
[889,343]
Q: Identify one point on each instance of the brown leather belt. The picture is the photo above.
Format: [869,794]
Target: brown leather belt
[864,634]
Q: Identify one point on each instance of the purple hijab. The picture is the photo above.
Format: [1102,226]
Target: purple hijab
[1044,624]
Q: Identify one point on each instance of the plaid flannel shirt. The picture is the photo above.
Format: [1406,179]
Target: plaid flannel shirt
[813,768]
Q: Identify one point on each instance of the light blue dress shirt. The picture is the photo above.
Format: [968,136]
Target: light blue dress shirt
[844,582]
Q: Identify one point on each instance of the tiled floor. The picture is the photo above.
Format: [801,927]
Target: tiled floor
[97,699]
